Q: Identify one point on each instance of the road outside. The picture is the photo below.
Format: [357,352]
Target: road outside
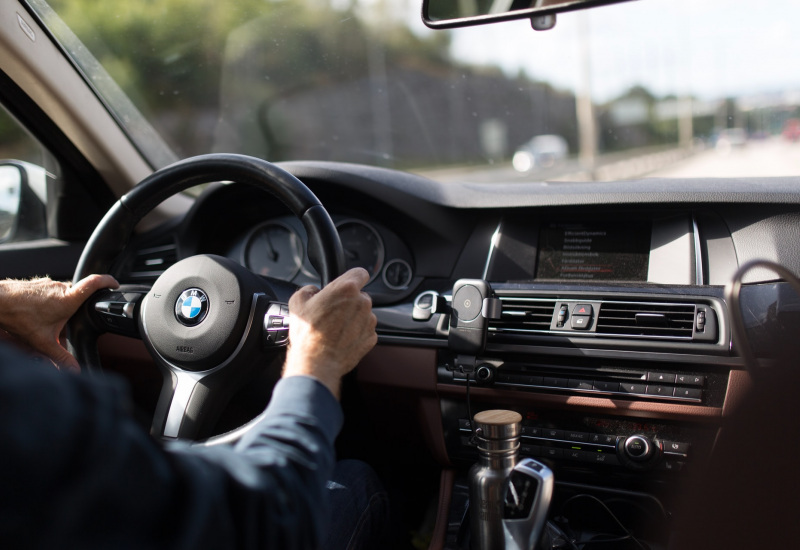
[769,157]
[757,158]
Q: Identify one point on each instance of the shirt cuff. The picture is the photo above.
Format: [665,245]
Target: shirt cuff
[306,396]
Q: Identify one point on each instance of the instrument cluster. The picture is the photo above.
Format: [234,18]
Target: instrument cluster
[277,248]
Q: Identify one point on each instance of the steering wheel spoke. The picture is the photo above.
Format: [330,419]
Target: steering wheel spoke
[195,393]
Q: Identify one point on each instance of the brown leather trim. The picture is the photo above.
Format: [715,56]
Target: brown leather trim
[408,376]
[446,480]
[739,384]
[399,367]
[640,409]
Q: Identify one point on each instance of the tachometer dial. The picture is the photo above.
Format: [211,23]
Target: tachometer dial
[274,250]
[362,245]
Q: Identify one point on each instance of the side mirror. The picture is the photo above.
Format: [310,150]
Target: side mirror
[23,196]
[10,194]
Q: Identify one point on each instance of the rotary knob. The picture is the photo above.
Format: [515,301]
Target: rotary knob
[638,452]
[638,448]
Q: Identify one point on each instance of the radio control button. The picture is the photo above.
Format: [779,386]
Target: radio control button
[691,380]
[627,387]
[580,384]
[661,377]
[534,380]
[553,382]
[689,393]
[602,385]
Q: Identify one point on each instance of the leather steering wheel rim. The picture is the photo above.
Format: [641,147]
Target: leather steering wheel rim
[111,235]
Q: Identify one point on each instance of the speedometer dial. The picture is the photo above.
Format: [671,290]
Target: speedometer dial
[274,250]
[362,245]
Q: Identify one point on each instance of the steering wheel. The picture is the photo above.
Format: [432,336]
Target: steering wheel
[209,323]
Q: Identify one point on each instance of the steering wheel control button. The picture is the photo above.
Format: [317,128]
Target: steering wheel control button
[117,311]
[276,324]
[191,307]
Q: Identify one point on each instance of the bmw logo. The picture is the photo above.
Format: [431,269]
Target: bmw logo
[191,307]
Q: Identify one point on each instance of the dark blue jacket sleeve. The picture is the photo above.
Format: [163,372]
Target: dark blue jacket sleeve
[77,471]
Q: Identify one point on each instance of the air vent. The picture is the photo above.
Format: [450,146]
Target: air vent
[525,315]
[150,263]
[644,319]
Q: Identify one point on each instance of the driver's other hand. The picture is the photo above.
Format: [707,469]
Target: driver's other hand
[34,313]
[331,329]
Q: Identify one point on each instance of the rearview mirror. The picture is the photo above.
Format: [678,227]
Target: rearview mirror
[445,14]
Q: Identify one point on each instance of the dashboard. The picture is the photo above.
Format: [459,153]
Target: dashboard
[610,332]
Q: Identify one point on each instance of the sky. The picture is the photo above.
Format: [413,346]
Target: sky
[708,48]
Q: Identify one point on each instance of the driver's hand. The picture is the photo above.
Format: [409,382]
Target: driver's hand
[35,312]
[330,329]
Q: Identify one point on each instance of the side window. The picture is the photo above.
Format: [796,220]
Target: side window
[26,169]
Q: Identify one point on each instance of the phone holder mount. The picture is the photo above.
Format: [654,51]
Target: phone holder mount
[472,305]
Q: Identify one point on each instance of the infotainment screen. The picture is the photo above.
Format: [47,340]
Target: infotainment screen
[605,251]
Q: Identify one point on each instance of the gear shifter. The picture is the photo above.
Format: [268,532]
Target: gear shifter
[527,501]
[509,501]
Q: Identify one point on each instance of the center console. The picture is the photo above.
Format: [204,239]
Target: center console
[603,337]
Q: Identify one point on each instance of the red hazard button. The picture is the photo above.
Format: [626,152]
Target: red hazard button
[582,309]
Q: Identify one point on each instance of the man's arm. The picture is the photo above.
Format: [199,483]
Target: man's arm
[79,471]
[330,330]
[34,312]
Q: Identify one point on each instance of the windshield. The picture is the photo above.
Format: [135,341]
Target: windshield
[654,88]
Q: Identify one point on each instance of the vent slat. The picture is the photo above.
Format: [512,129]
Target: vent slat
[150,263]
[654,320]
[528,314]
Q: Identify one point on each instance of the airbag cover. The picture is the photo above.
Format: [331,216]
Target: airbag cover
[173,329]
